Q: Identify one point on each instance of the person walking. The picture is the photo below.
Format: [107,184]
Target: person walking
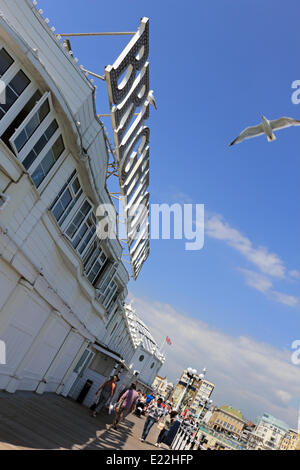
[149,398]
[107,391]
[168,421]
[143,398]
[125,405]
[140,405]
[155,412]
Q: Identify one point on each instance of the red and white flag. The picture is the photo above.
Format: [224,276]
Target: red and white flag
[168,340]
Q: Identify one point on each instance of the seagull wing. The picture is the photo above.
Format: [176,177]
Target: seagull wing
[248,133]
[152,99]
[283,122]
[153,102]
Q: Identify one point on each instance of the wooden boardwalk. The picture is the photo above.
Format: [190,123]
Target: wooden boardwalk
[49,421]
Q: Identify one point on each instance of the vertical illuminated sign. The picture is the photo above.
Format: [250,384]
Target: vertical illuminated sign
[128,89]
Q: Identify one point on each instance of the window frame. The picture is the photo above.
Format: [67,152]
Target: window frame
[11,55]
[46,96]
[88,271]
[67,186]
[89,230]
[112,269]
[87,261]
[18,106]
[54,138]
[112,304]
[110,293]
[22,99]
[84,199]
[72,213]
[25,151]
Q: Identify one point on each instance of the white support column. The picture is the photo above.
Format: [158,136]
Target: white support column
[64,388]
[12,386]
[5,317]
[42,385]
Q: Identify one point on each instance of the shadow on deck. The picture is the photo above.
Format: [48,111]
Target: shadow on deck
[50,421]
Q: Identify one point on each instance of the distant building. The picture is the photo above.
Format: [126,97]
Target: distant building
[193,395]
[229,420]
[291,441]
[139,357]
[246,432]
[206,418]
[162,387]
[268,433]
[199,405]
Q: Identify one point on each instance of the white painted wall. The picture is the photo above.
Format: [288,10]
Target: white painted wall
[48,309]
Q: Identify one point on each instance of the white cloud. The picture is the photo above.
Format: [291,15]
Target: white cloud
[295,274]
[264,284]
[251,376]
[181,198]
[268,263]
[285,299]
[256,280]
[284,396]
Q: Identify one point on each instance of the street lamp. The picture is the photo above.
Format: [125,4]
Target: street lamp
[206,401]
[191,374]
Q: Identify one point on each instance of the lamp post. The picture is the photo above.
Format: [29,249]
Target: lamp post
[205,401]
[191,374]
[188,407]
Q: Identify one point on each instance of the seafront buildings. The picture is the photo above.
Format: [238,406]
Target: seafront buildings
[192,393]
[162,387]
[291,440]
[225,427]
[229,420]
[62,289]
[268,433]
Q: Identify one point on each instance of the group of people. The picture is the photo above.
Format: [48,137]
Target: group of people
[155,410]
[163,415]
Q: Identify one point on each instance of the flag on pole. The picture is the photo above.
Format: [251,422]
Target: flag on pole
[168,340]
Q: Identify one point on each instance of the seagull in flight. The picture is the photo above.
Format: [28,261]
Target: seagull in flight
[266,127]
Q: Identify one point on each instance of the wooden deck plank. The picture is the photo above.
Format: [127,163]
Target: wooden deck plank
[49,421]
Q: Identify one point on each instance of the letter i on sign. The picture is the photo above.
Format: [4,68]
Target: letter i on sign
[2,352]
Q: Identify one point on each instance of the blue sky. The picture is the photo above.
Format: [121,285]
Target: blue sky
[215,68]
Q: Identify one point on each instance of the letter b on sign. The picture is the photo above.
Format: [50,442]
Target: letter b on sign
[2,352]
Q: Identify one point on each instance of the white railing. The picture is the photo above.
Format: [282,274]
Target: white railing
[185,439]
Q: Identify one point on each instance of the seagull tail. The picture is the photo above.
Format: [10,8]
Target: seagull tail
[270,139]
